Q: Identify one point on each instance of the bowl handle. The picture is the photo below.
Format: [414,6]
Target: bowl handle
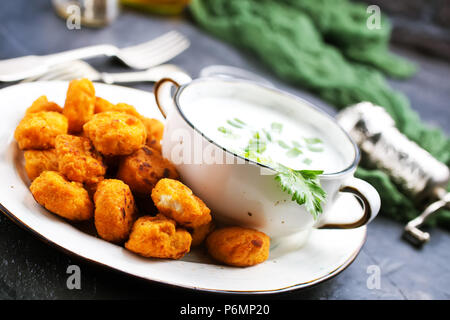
[369,198]
[163,95]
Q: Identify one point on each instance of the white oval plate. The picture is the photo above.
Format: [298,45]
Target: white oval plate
[326,253]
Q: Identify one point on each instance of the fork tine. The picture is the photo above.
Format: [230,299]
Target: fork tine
[175,41]
[167,37]
[165,46]
[155,49]
[154,52]
[161,56]
[151,55]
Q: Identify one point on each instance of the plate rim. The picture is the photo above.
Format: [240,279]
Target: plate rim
[14,218]
[293,287]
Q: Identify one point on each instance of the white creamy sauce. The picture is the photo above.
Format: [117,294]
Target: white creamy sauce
[301,146]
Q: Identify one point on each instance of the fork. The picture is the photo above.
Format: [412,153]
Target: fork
[142,56]
[80,69]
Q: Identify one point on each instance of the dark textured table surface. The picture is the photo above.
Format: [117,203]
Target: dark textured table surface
[30,269]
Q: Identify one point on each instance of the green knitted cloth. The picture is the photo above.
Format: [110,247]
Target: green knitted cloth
[326,47]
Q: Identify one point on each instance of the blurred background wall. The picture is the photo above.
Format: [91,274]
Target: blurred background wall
[422,24]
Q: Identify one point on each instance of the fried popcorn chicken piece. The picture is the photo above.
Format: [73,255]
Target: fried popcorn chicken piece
[42,104]
[176,201]
[158,237]
[38,130]
[78,160]
[155,129]
[114,210]
[240,247]
[102,105]
[127,108]
[58,195]
[144,168]
[201,232]
[38,161]
[115,133]
[80,103]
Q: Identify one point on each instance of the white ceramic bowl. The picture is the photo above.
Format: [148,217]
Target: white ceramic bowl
[243,192]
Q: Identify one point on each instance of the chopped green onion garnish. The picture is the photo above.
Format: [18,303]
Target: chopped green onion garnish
[277,127]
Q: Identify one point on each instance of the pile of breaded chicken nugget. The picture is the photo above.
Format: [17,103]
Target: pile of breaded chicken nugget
[96,160]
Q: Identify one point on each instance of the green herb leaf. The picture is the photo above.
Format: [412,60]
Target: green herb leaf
[312,140]
[257,146]
[268,136]
[314,149]
[294,152]
[240,121]
[277,127]
[296,144]
[228,133]
[235,124]
[283,144]
[252,155]
[222,129]
[307,161]
[304,186]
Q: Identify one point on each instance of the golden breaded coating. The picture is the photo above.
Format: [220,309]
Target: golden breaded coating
[143,169]
[58,195]
[78,160]
[201,232]
[42,104]
[127,108]
[176,201]
[155,129]
[114,210]
[158,237]
[240,247]
[80,103]
[38,161]
[38,130]
[102,105]
[115,133]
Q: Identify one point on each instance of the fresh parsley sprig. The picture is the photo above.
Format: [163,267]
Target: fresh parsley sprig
[304,186]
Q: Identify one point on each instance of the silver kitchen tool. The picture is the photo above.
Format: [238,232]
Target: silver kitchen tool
[142,56]
[412,231]
[80,69]
[416,172]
